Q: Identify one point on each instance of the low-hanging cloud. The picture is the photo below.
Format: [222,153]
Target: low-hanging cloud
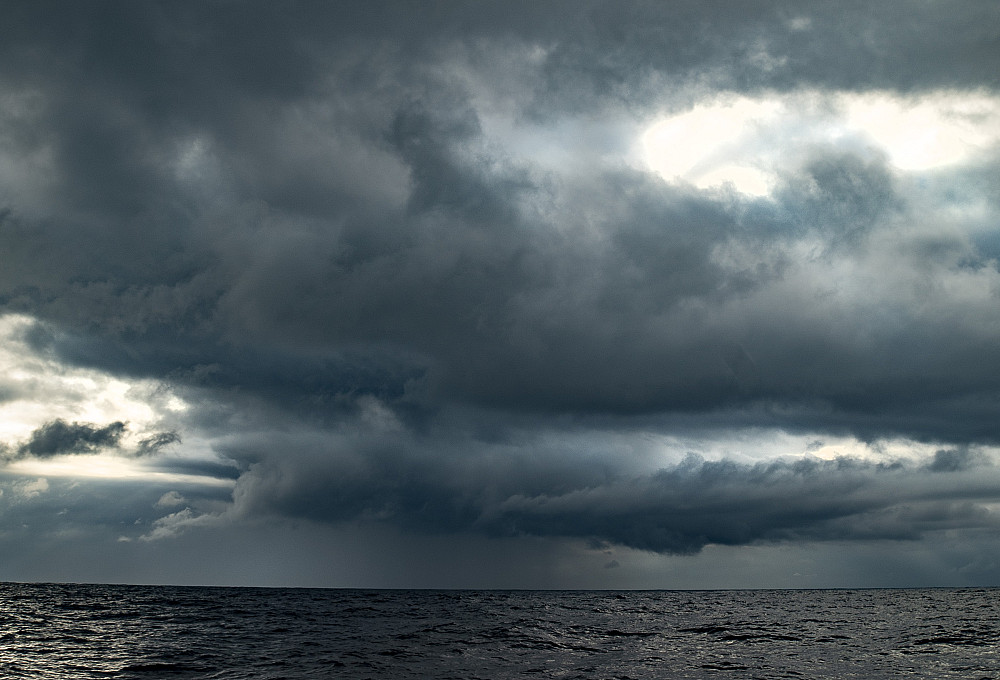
[498,491]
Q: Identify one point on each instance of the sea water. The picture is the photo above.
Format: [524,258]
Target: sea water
[109,631]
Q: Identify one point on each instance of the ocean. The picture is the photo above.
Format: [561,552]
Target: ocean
[112,631]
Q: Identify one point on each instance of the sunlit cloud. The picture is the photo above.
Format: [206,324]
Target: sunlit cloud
[121,421]
[747,141]
[38,388]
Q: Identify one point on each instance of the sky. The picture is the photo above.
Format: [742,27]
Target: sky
[500,294]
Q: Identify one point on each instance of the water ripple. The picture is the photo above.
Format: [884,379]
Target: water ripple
[143,632]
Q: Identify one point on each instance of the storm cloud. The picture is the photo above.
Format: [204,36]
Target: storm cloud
[62,437]
[425,265]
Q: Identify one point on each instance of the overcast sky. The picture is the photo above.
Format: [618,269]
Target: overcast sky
[513,294]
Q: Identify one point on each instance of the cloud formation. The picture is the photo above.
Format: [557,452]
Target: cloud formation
[59,437]
[453,267]
[675,509]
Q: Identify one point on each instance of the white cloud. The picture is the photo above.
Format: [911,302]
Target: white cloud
[173,524]
[170,499]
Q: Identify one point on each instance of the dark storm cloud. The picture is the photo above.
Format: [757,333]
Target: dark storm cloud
[306,218]
[59,437]
[632,52]
[679,509]
[155,442]
[243,192]
[724,503]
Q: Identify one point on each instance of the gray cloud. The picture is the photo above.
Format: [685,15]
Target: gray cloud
[155,442]
[561,491]
[59,437]
[39,511]
[402,245]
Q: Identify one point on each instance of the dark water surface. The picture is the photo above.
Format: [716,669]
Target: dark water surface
[98,631]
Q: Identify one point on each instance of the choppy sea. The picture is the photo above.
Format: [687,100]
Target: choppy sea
[110,631]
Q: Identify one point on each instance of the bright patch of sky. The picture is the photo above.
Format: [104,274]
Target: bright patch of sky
[102,466]
[36,389]
[748,141]
[756,445]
